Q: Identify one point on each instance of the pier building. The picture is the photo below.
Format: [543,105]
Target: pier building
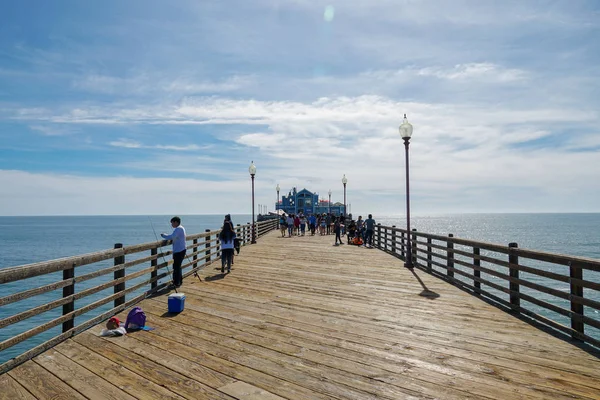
[307,202]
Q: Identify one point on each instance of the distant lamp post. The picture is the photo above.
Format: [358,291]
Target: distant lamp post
[252,170]
[344,181]
[406,130]
[277,204]
[329,201]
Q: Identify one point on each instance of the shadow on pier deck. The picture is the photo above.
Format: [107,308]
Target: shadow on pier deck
[300,319]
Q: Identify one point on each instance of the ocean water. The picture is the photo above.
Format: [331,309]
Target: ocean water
[25,240]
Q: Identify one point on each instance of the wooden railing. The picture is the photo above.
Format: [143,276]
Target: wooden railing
[79,282]
[519,280]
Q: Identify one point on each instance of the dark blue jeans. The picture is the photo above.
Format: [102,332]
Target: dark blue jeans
[226,259]
[177,261]
[369,237]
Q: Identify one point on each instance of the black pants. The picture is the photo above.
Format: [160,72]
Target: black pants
[337,236]
[226,259]
[177,261]
[369,237]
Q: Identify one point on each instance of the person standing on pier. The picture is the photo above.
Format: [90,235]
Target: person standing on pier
[178,237]
[290,224]
[370,229]
[360,228]
[227,238]
[282,225]
[312,220]
[302,224]
[236,243]
[337,230]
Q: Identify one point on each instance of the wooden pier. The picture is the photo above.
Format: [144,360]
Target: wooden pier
[298,318]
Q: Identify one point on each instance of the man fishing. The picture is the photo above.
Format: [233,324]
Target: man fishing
[178,237]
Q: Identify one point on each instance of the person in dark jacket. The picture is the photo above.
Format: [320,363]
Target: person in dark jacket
[227,238]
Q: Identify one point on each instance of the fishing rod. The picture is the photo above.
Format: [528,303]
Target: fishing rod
[163,256]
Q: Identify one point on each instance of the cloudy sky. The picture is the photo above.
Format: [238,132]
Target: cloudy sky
[156,107]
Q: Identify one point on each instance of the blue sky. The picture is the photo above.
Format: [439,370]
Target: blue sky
[155,107]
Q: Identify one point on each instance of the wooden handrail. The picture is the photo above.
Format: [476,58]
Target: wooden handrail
[459,261]
[204,250]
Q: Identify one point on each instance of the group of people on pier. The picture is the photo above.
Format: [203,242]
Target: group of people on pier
[359,232]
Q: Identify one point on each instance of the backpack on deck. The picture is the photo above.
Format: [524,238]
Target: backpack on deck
[136,319]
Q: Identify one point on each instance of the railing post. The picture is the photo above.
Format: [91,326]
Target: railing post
[68,274]
[153,264]
[476,271]
[207,259]
[450,258]
[575,275]
[120,273]
[238,234]
[413,247]
[377,239]
[393,249]
[513,259]
[429,256]
[195,256]
[402,246]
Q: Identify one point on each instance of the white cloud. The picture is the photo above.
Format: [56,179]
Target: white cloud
[475,71]
[54,194]
[152,83]
[463,157]
[132,144]
[126,143]
[52,130]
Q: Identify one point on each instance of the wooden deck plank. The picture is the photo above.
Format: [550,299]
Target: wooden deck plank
[436,372]
[175,382]
[179,348]
[244,391]
[425,364]
[11,389]
[41,383]
[300,319]
[299,372]
[126,380]
[312,318]
[306,369]
[79,378]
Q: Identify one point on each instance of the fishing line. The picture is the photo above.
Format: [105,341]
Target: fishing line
[161,253]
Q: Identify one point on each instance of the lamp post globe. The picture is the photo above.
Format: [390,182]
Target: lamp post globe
[252,171]
[344,181]
[406,130]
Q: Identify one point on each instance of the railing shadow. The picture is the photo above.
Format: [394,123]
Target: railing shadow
[429,294]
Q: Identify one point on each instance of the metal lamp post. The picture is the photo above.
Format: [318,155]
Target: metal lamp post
[344,181]
[406,132]
[252,170]
[277,204]
[329,201]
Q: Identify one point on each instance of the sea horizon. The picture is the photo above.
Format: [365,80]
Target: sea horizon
[256,213]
